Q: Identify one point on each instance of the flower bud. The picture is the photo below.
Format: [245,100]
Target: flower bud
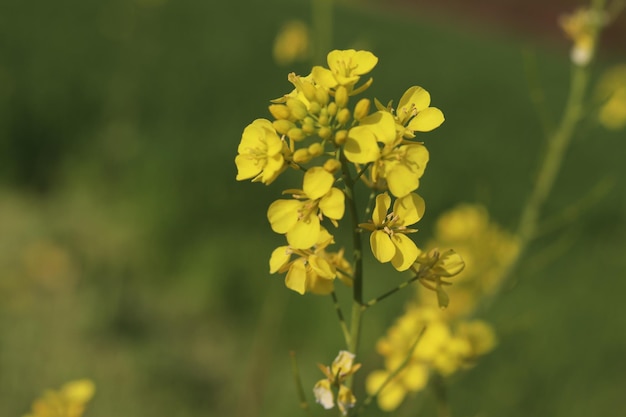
[324,132]
[321,96]
[301,156]
[314,107]
[341,136]
[297,108]
[332,109]
[343,116]
[296,134]
[332,166]
[362,108]
[308,90]
[283,126]
[323,120]
[316,149]
[279,111]
[341,96]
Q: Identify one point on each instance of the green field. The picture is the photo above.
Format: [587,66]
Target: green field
[130,255]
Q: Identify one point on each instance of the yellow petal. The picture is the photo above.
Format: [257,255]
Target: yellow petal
[296,276]
[323,394]
[79,391]
[406,252]
[410,209]
[383,202]
[332,205]
[324,77]
[304,233]
[321,266]
[382,247]
[361,146]
[427,120]
[382,124]
[345,399]
[283,215]
[279,258]
[351,62]
[401,180]
[318,285]
[247,167]
[317,182]
[414,96]
[415,377]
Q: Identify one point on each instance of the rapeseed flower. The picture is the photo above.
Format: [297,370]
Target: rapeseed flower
[345,68]
[342,367]
[313,270]
[300,218]
[388,240]
[261,153]
[612,91]
[69,401]
[291,43]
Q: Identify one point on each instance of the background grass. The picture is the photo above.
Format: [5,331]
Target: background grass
[129,254]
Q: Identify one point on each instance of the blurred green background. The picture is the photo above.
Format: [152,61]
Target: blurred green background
[130,255]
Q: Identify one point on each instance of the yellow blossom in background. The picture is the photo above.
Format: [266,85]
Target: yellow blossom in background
[581,27]
[291,43]
[342,367]
[69,401]
[611,91]
[444,348]
[388,240]
[487,251]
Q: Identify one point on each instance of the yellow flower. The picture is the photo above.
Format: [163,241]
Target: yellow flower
[342,367]
[400,165]
[346,67]
[388,239]
[414,113]
[582,27]
[314,270]
[291,43]
[612,91]
[260,153]
[300,218]
[69,401]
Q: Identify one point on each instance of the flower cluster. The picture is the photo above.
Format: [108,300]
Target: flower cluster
[342,367]
[582,27]
[450,342]
[443,348]
[333,139]
[69,401]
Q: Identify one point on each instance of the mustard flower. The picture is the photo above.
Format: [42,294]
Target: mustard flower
[291,43]
[69,401]
[582,27]
[342,367]
[261,153]
[345,68]
[300,218]
[314,269]
[400,163]
[611,91]
[415,114]
[388,239]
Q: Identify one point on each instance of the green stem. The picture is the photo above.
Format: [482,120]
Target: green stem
[342,321]
[304,405]
[406,283]
[357,282]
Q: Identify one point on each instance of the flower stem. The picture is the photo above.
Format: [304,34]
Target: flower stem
[381,297]
[357,282]
[304,405]
[342,321]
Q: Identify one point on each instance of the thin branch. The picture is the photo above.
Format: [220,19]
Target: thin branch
[406,283]
[304,405]
[342,321]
